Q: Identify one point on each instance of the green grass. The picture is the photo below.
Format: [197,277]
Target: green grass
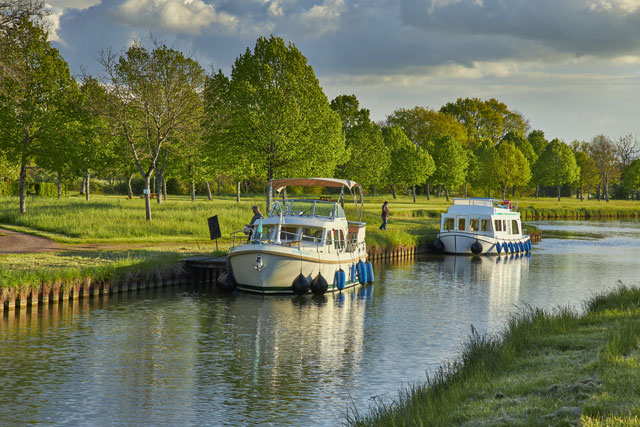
[30,270]
[545,368]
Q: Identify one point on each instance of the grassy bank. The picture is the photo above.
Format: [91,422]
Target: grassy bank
[557,368]
[30,270]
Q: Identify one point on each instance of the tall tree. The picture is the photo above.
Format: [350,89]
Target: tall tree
[512,170]
[410,164]
[451,163]
[557,165]
[603,152]
[280,119]
[367,157]
[34,109]
[155,95]
[588,171]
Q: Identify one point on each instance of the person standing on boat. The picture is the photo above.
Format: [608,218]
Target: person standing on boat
[248,229]
[385,215]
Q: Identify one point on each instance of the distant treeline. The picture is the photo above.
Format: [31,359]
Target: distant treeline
[156,115]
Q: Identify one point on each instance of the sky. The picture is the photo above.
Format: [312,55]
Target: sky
[570,67]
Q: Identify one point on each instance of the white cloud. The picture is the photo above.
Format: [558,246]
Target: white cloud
[324,18]
[275,8]
[182,16]
[623,6]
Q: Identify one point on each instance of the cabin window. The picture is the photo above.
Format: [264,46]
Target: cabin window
[448,224]
[339,239]
[474,225]
[514,227]
[504,225]
[310,234]
[461,224]
[329,238]
[485,225]
[288,233]
[497,224]
[325,209]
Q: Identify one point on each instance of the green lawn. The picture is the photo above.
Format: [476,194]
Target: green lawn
[104,231]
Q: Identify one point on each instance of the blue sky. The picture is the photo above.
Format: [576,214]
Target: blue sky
[571,67]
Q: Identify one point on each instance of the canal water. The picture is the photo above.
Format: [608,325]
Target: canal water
[188,357]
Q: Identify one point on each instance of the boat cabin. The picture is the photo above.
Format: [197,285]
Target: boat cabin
[315,224]
[482,217]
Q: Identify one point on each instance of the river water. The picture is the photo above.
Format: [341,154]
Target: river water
[189,357]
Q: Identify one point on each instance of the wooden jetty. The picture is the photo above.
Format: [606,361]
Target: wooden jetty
[205,270]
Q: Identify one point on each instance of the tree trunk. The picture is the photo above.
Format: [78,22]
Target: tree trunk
[23,186]
[558,193]
[129,189]
[374,191]
[598,191]
[209,191]
[513,192]
[87,191]
[238,192]
[581,195]
[589,193]
[503,193]
[219,192]
[413,193]
[159,187]
[164,188]
[427,190]
[446,193]
[147,196]
[59,186]
[605,188]
[193,190]
[466,184]
[393,192]
[83,186]
[537,190]
[439,190]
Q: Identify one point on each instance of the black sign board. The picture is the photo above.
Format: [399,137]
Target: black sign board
[214,227]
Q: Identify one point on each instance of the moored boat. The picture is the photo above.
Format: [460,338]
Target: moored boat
[482,226]
[303,244]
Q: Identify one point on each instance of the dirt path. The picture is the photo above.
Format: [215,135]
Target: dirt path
[12,242]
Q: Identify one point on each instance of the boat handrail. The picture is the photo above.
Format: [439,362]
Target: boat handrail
[346,244]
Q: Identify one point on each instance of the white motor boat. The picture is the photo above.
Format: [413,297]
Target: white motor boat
[482,226]
[302,245]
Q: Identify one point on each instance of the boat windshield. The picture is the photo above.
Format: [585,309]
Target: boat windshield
[298,207]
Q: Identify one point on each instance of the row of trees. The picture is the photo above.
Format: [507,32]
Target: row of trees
[156,113]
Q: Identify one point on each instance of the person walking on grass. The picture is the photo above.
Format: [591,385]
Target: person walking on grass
[385,216]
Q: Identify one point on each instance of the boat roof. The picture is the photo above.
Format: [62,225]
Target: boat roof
[279,184]
[479,206]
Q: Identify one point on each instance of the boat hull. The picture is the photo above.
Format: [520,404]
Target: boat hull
[461,243]
[271,269]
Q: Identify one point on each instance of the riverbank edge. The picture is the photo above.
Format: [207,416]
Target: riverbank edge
[544,368]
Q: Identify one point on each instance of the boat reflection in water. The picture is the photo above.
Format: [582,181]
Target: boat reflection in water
[497,280]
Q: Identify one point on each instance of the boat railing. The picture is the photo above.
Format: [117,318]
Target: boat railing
[506,204]
[288,238]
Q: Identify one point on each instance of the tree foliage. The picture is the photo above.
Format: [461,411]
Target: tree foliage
[512,167]
[154,100]
[37,108]
[451,162]
[367,157]
[485,119]
[557,165]
[410,164]
[603,152]
[424,125]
